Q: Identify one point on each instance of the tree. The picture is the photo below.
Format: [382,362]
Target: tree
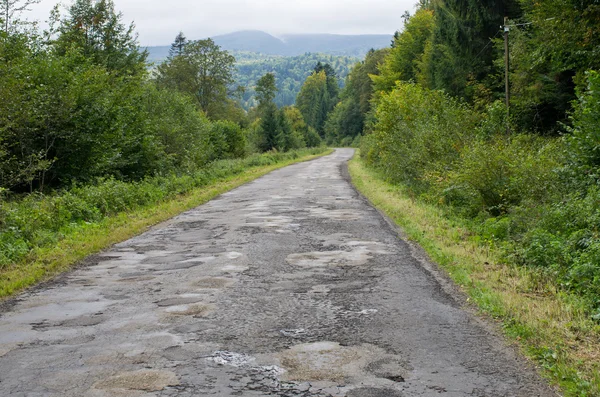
[460,50]
[332,83]
[314,99]
[288,137]
[266,89]
[203,71]
[405,57]
[11,8]
[549,59]
[269,128]
[178,46]
[95,29]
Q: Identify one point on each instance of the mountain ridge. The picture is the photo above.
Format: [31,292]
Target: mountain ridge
[290,44]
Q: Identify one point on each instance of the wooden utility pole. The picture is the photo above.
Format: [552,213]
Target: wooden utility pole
[506,73]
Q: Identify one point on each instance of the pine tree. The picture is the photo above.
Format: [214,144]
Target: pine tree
[178,46]
[269,126]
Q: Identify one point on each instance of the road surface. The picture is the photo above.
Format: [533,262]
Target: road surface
[291,285]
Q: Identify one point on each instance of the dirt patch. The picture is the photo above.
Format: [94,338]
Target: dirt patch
[213,283]
[372,392]
[177,301]
[145,380]
[197,310]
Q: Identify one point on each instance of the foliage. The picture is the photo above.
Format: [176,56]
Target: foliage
[405,58]
[305,135]
[10,9]
[418,132]
[550,56]
[203,71]
[459,51]
[584,141]
[95,30]
[266,90]
[314,100]
[290,73]
[348,118]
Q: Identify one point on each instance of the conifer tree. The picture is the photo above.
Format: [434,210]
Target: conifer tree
[178,46]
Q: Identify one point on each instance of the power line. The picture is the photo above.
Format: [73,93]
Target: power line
[488,44]
[524,24]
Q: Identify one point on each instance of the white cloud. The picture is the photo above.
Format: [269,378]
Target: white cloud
[158,21]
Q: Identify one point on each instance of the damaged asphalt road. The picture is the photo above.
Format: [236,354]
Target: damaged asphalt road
[291,285]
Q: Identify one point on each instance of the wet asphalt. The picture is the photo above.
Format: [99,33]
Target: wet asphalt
[292,285]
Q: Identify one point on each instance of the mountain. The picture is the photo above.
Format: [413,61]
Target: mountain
[291,44]
[335,44]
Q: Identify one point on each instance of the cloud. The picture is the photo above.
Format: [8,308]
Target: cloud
[158,21]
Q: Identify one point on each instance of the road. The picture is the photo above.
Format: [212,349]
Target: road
[292,285]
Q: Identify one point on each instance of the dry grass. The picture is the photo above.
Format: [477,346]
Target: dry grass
[551,327]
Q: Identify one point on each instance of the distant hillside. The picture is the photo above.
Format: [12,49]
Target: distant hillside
[290,73]
[291,45]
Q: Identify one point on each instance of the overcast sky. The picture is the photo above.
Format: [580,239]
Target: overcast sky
[158,21]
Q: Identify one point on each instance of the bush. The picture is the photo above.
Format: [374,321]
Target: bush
[418,132]
[493,175]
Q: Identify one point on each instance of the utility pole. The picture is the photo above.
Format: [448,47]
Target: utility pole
[506,73]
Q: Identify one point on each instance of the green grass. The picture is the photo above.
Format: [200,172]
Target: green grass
[67,242]
[552,328]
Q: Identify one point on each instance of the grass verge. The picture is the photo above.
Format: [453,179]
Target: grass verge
[551,327]
[82,239]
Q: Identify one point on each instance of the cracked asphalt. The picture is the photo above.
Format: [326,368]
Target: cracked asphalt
[292,285]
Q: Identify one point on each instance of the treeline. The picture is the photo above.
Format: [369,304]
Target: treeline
[432,112]
[290,73]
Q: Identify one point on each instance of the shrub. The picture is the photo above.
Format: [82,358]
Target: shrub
[418,131]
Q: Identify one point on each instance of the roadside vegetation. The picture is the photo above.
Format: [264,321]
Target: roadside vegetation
[45,234]
[508,202]
[90,135]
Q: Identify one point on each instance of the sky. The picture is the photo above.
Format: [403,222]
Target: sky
[159,21]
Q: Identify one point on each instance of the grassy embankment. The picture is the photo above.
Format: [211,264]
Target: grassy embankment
[551,327]
[42,236]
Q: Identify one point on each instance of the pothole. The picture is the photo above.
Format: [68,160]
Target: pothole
[213,282]
[197,310]
[144,380]
[222,357]
[331,362]
[374,392]
[177,301]
[339,214]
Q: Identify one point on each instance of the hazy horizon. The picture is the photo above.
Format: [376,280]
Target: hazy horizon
[158,22]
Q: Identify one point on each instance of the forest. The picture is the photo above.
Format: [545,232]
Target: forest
[522,177]
[291,72]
